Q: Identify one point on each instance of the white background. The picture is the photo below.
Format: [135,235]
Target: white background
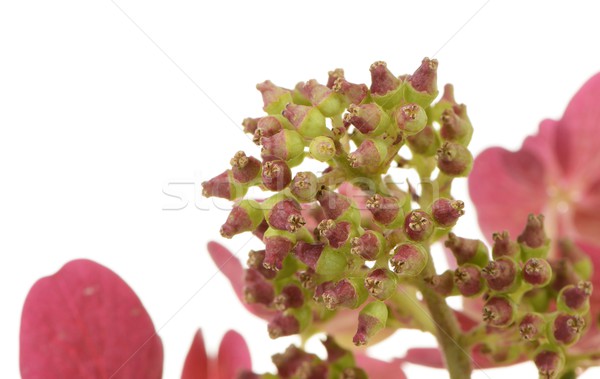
[96,121]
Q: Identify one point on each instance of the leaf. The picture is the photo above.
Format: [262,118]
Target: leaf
[86,322]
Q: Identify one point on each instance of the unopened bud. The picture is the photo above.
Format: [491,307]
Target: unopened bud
[244,217]
[283,325]
[244,169]
[445,212]
[418,225]
[368,118]
[504,246]
[550,362]
[566,328]
[304,186]
[370,154]
[250,124]
[291,296]
[501,274]
[335,205]
[563,274]
[286,215]
[276,175]
[257,290]
[331,263]
[308,121]
[575,298]
[267,127]
[386,88]
[368,246]
[532,326]
[468,280]
[371,320]
[499,311]
[426,142]
[256,261]
[285,145]
[334,75]
[386,210]
[454,159]
[275,98]
[537,272]
[348,293]
[443,284]
[582,263]
[409,259]
[322,97]
[224,186]
[335,233]
[381,283]
[533,239]
[410,119]
[291,360]
[352,93]
[421,86]
[309,253]
[456,126]
[277,246]
[322,148]
[467,250]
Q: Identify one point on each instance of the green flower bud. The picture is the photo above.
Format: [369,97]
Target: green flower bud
[322,148]
[368,118]
[409,259]
[381,283]
[348,293]
[304,186]
[427,142]
[331,263]
[533,240]
[285,145]
[456,126]
[308,121]
[370,154]
[410,119]
[421,86]
[329,102]
[371,320]
[275,98]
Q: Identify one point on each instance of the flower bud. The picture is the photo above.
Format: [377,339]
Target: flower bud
[467,250]
[307,121]
[426,142]
[368,246]
[334,75]
[352,93]
[550,362]
[501,274]
[532,326]
[291,296]
[456,126]
[386,210]
[275,98]
[331,263]
[335,233]
[582,264]
[443,284]
[291,360]
[257,290]
[421,86]
[256,261]
[563,274]
[499,311]
[503,246]
[322,148]
[307,278]
[454,159]
[410,119]
[348,293]
[575,298]
[244,217]
[409,259]
[322,97]
[285,145]
[445,212]
[250,124]
[276,175]
[277,246]
[533,239]
[418,225]
[283,325]
[304,186]
[309,253]
[468,280]
[267,127]
[286,215]
[368,118]
[337,206]
[224,186]
[386,89]
[244,169]
[537,272]
[381,283]
[370,154]
[566,328]
[371,320]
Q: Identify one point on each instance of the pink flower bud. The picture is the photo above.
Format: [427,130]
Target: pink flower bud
[352,93]
[257,289]
[382,80]
[368,118]
[385,210]
[368,246]
[498,311]
[456,126]
[426,142]
[285,145]
[467,250]
[224,186]
[309,253]
[575,298]
[276,175]
[409,259]
[501,274]
[283,325]
[381,283]
[418,225]
[266,127]
[304,186]
[443,284]
[256,261]
[503,246]
[333,203]
[371,320]
[244,169]
[276,250]
[454,159]
[274,97]
[563,274]
[291,296]
[537,272]
[286,215]
[445,212]
[468,280]
[308,121]
[334,75]
[346,293]
[566,328]
[534,235]
[549,363]
[322,97]
[244,217]
[532,326]
[291,360]
[335,233]
[410,119]
[422,84]
[370,154]
[250,124]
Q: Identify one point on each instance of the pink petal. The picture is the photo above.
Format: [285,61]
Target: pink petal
[231,267]
[579,133]
[432,357]
[234,356]
[505,187]
[86,322]
[196,362]
[377,369]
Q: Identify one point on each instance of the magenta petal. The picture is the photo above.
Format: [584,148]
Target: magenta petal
[377,369]
[231,267]
[505,187]
[234,356]
[196,362]
[86,322]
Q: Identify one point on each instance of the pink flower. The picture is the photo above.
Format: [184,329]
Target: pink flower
[232,360]
[557,173]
